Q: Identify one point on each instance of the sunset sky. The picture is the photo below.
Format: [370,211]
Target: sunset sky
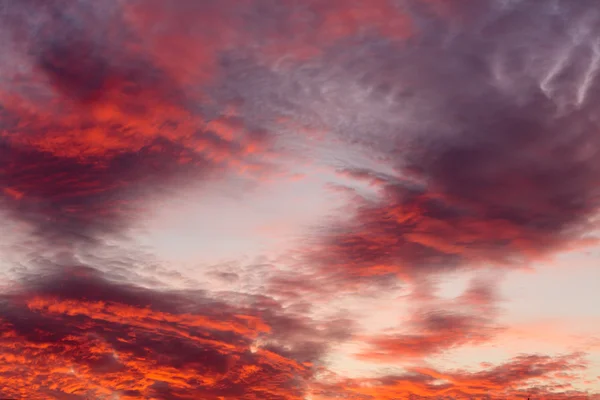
[299,199]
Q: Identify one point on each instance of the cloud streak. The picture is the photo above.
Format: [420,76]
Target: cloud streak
[524,377]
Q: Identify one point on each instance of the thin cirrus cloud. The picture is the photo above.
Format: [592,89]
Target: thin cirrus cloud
[471,123]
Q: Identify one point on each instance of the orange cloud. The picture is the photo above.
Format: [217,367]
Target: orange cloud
[106,104]
[96,125]
[83,336]
[436,326]
[523,377]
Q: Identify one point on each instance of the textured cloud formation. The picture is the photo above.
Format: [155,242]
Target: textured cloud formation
[473,123]
[490,130]
[94,124]
[76,333]
[524,377]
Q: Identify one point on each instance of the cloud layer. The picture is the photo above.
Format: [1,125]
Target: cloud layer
[78,335]
[465,132]
[491,139]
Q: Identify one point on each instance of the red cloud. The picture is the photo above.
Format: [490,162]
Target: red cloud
[439,326]
[431,333]
[524,377]
[81,335]
[107,103]
[97,125]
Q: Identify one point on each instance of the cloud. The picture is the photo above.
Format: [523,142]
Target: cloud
[438,325]
[491,138]
[434,332]
[494,139]
[94,124]
[473,123]
[78,333]
[524,376]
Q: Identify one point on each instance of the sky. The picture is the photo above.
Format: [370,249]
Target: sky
[300,199]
